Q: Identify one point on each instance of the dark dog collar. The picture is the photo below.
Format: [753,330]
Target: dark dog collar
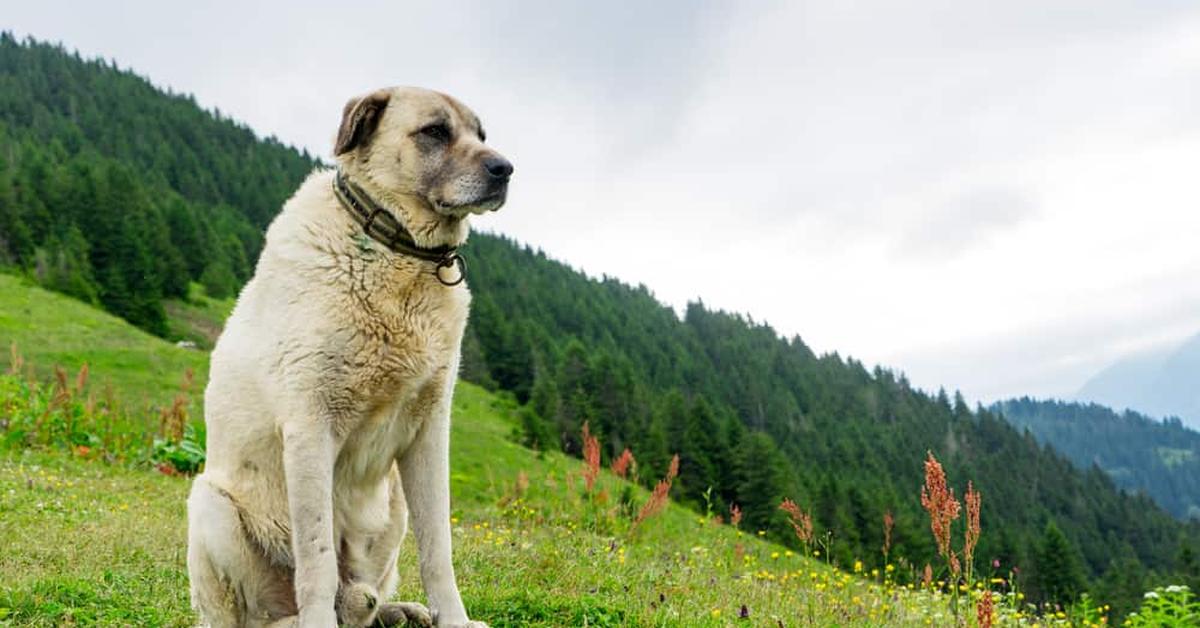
[382,226]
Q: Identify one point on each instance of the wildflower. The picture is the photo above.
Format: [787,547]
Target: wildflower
[983,610]
[621,465]
[591,457]
[716,612]
[973,500]
[735,515]
[888,522]
[858,566]
[1151,595]
[938,500]
[800,520]
[658,498]
[81,379]
[927,577]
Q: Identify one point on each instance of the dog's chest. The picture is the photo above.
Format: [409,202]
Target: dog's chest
[404,341]
[407,329]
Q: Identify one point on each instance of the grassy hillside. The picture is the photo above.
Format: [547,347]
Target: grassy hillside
[93,544]
[48,329]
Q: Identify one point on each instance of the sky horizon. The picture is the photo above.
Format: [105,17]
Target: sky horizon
[993,199]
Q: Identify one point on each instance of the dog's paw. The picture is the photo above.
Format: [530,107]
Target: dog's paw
[356,604]
[404,614]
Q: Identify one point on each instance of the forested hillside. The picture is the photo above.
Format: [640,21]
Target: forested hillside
[1161,458]
[118,194]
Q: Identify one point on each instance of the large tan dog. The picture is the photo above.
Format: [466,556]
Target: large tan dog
[328,404]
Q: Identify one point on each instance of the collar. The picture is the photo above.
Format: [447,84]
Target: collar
[382,226]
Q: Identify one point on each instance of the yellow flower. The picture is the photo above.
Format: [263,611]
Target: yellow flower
[890,568]
[716,612]
[774,554]
[858,566]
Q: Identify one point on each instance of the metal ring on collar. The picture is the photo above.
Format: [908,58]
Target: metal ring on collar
[452,259]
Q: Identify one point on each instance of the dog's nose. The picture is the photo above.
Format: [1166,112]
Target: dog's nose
[498,167]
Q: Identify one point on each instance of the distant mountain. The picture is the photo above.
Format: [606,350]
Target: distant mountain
[1160,384]
[1160,458]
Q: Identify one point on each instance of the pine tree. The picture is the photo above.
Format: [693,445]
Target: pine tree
[760,481]
[1059,577]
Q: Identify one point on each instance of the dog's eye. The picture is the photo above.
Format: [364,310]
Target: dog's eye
[438,131]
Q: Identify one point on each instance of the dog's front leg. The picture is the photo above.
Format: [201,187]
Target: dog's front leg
[308,457]
[425,473]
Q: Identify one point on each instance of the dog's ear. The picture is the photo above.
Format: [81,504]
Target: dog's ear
[359,119]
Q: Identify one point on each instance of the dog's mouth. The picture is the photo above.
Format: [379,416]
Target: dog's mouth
[488,203]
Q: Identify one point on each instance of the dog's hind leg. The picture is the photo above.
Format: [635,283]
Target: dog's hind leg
[233,584]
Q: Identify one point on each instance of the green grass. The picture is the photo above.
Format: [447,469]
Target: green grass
[95,544]
[198,319]
[89,543]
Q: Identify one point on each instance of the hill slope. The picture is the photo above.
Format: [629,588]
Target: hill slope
[1139,453]
[47,329]
[1160,384]
[754,417]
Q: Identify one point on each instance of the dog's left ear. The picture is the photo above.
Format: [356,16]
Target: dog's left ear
[359,119]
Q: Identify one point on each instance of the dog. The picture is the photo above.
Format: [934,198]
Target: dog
[328,402]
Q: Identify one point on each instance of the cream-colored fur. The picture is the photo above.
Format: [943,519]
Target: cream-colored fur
[328,403]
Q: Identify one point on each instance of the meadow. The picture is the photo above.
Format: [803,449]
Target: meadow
[95,427]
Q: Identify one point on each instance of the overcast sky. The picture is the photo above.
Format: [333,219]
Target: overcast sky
[998,197]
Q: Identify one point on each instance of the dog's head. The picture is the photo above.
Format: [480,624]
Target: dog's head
[423,145]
